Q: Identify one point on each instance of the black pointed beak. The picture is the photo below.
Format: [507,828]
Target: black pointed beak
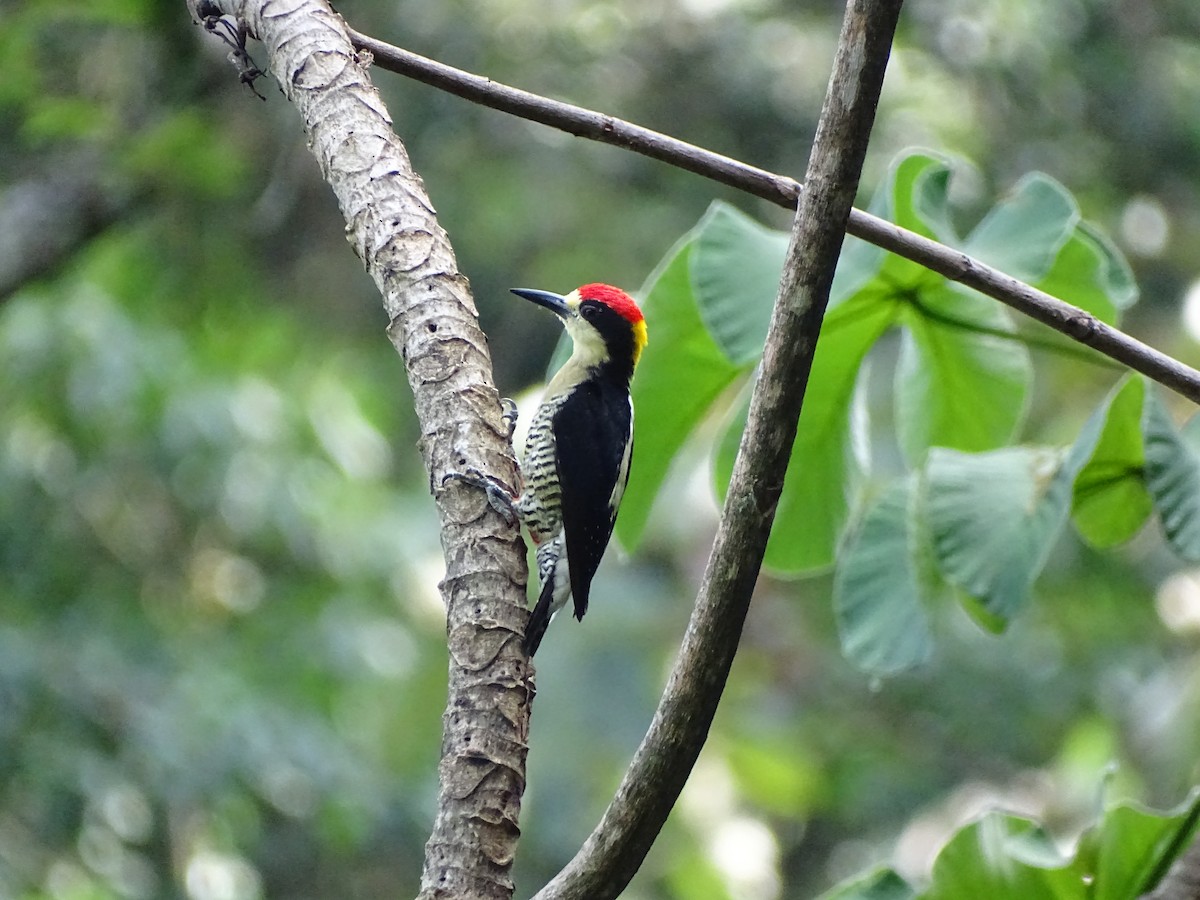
[553,302]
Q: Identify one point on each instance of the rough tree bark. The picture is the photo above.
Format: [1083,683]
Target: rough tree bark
[392,226]
[614,851]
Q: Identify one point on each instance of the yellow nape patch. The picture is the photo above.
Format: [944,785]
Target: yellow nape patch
[640,339]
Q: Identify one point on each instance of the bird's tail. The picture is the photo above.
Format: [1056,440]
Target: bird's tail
[539,619]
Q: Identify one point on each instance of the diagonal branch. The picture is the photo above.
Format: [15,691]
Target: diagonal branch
[1075,323]
[391,224]
[615,850]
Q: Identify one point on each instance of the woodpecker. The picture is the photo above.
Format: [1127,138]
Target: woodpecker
[576,461]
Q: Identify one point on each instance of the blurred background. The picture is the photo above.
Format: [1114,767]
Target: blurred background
[222,657]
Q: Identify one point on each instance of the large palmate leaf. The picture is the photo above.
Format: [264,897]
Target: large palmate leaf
[962,380]
[735,265]
[1006,857]
[1110,502]
[962,384]
[1024,232]
[993,519]
[1091,273]
[1173,476]
[825,469]
[878,593]
[813,506]
[681,372]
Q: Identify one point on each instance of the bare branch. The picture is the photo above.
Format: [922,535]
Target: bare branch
[1075,323]
[391,224]
[615,850]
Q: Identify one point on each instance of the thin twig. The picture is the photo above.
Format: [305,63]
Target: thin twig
[1077,324]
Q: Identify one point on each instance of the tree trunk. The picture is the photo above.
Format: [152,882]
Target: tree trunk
[391,224]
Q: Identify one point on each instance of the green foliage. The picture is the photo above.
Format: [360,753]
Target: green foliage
[814,504]
[685,370]
[1173,476]
[993,518]
[961,380]
[181,433]
[1111,502]
[681,374]
[732,266]
[200,580]
[972,512]
[179,150]
[56,118]
[883,884]
[1007,857]
[1139,463]
[877,590]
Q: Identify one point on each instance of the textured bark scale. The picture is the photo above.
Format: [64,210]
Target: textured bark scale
[392,226]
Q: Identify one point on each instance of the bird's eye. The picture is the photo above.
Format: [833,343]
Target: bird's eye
[587,310]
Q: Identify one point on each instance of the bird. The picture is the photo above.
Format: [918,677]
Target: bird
[576,461]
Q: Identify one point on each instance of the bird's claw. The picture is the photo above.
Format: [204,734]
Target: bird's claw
[499,497]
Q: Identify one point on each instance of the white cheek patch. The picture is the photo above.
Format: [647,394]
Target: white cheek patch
[589,345]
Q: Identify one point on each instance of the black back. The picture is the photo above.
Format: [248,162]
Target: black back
[591,430]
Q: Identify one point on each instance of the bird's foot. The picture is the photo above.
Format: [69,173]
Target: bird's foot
[499,497]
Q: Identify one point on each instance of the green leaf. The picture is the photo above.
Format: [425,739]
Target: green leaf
[1092,274]
[1173,476]
[1129,851]
[1110,502]
[915,196]
[917,193]
[1022,234]
[1003,857]
[680,374]
[731,289]
[993,519]
[814,503]
[735,269]
[959,382]
[877,594]
[880,884]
